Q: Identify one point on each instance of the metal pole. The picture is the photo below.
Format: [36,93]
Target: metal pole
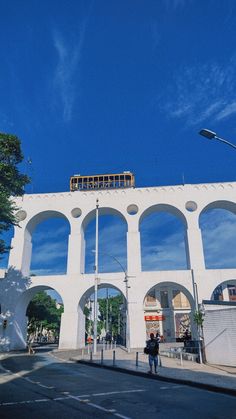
[96,284]
[195,294]
[127,313]
[225,141]
[107,308]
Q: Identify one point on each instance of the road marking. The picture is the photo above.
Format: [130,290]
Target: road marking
[59,398]
[170,387]
[122,416]
[96,406]
[42,385]
[80,399]
[41,400]
[116,392]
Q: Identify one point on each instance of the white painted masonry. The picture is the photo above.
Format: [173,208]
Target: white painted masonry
[185,201]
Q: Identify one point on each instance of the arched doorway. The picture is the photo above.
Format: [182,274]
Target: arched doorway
[226,291]
[111,316]
[40,308]
[168,311]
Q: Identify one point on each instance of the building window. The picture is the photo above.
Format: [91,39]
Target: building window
[150,299]
[232,292]
[164,299]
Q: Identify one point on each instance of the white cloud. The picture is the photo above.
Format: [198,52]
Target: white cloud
[48,252]
[67,69]
[229,110]
[219,238]
[51,233]
[201,92]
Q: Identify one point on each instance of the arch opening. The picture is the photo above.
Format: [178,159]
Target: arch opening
[38,316]
[111,316]
[168,311]
[6,236]
[50,247]
[112,244]
[218,227]
[163,245]
[226,291]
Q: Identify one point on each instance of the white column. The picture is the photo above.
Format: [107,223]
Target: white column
[18,328]
[20,254]
[81,330]
[75,259]
[194,248]
[225,292]
[133,247]
[137,330]
[69,332]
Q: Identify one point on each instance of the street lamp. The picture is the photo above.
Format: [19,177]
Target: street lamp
[96,284]
[196,302]
[211,135]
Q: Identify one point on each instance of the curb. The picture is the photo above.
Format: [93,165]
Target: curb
[209,387]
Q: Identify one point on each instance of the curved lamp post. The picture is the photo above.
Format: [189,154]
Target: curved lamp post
[211,135]
[126,280]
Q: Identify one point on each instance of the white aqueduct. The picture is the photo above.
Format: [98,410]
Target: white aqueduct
[187,202]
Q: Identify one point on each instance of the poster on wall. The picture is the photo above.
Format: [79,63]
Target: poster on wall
[182,323]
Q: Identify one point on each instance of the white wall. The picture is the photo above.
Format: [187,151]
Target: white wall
[220,335]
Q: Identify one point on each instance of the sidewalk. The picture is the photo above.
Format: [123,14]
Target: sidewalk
[210,377]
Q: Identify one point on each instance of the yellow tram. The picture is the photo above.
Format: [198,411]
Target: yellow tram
[106,181]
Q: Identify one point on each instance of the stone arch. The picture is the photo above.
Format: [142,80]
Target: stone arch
[163,312]
[171,246]
[19,339]
[225,291]
[102,211]
[105,255]
[42,216]
[217,222]
[222,204]
[29,229]
[82,303]
[164,208]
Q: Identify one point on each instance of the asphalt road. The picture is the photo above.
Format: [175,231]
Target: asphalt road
[41,386]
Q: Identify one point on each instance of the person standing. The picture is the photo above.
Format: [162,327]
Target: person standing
[31,351]
[152,350]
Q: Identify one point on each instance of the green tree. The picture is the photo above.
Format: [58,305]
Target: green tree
[12,182]
[114,304]
[43,313]
[198,318]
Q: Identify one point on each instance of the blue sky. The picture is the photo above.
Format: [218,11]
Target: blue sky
[105,86]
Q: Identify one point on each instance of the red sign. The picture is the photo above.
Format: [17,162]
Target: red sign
[154,318]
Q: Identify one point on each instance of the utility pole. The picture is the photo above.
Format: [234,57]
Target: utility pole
[96,284]
[107,309]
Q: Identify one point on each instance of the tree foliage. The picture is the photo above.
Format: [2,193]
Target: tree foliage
[114,306]
[12,182]
[43,313]
[198,318]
